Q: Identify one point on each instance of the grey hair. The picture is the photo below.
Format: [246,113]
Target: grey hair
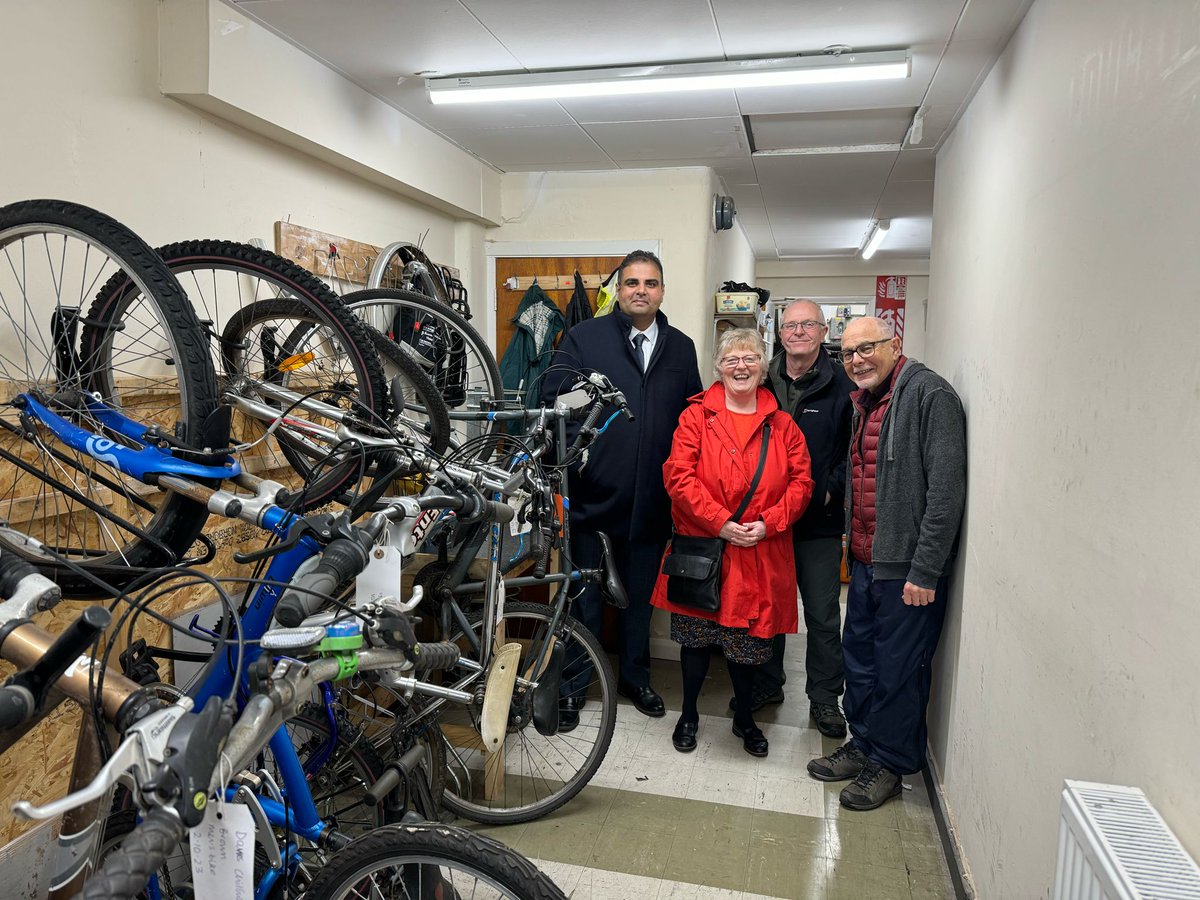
[794,301]
[740,337]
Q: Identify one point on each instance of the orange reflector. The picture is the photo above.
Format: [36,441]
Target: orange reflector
[295,361]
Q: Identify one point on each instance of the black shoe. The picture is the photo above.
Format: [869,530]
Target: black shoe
[753,740]
[568,713]
[759,699]
[828,718]
[684,736]
[646,700]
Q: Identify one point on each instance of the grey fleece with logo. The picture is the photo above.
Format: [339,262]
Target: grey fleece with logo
[920,478]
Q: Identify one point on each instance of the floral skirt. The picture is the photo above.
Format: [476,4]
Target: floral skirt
[737,644]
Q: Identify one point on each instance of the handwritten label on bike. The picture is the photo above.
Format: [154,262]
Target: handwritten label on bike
[223,852]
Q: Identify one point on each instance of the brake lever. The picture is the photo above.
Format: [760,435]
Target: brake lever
[141,751]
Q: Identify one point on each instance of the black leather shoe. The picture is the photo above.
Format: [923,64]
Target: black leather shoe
[753,740]
[568,713]
[684,736]
[646,700]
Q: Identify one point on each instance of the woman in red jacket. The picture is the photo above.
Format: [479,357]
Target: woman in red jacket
[714,454]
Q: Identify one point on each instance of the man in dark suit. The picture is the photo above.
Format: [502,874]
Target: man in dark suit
[618,487]
[815,389]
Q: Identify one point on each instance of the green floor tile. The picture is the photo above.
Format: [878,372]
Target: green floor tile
[870,844]
[848,880]
[592,804]
[637,810]
[788,862]
[922,853]
[711,847]
[560,841]
[635,851]
[771,829]
[930,887]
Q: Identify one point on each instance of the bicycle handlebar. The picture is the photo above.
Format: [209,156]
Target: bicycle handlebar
[142,853]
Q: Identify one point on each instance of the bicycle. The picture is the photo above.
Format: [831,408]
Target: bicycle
[172,756]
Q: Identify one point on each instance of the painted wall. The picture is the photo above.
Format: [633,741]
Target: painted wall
[88,123]
[1062,307]
[853,278]
[672,206]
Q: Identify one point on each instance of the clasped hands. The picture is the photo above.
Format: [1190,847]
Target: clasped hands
[743,535]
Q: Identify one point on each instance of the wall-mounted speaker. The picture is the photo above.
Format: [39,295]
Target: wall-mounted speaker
[723,212]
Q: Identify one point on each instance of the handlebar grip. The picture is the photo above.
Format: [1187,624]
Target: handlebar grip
[439,655]
[342,560]
[17,704]
[542,558]
[128,868]
[384,785]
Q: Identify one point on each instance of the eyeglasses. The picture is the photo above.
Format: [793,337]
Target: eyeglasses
[732,362]
[866,350]
[807,325]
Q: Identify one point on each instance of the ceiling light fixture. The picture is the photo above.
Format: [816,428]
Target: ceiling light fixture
[741,73]
[826,151]
[875,236]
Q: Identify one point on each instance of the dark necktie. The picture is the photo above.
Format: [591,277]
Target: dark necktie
[639,349]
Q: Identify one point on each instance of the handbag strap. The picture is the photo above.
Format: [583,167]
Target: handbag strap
[762,462]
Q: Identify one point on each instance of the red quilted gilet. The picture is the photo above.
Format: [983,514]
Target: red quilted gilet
[864,448]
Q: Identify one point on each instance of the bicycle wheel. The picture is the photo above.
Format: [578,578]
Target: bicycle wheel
[144,355]
[430,862]
[273,324]
[446,347]
[541,772]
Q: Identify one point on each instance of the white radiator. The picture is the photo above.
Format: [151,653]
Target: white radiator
[1113,845]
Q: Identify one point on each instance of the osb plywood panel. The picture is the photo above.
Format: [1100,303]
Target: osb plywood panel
[332,256]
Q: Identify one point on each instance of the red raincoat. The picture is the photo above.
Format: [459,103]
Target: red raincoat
[707,475]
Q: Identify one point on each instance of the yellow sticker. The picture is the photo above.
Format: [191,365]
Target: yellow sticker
[295,361]
[200,800]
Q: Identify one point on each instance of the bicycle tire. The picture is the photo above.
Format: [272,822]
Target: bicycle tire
[480,375]
[145,357]
[428,861]
[222,279]
[142,851]
[572,757]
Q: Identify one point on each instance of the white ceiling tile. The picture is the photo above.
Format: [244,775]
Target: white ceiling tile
[830,129]
[559,167]
[679,139]
[914,165]
[906,198]
[907,237]
[964,66]
[855,95]
[537,146]
[780,27]
[994,21]
[553,34]
[698,105]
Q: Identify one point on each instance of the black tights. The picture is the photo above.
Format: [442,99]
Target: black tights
[693,661]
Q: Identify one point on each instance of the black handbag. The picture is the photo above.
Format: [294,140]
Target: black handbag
[693,564]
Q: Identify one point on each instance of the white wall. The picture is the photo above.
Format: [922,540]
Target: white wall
[86,122]
[672,206]
[1062,307]
[853,278]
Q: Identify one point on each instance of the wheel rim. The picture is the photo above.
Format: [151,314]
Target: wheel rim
[541,772]
[44,268]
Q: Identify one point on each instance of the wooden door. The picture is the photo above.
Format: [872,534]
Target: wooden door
[555,276]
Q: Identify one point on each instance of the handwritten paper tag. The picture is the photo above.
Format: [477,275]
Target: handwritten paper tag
[223,853]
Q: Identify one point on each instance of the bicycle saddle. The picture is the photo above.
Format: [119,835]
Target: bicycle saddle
[610,581]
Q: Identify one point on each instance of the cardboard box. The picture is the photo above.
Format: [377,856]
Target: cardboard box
[742,302]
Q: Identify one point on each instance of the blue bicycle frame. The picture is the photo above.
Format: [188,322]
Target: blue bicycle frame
[299,815]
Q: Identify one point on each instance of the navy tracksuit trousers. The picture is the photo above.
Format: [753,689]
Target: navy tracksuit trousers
[888,650]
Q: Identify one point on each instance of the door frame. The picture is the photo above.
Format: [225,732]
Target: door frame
[494,250]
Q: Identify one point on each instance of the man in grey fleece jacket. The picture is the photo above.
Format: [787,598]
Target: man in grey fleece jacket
[908,473]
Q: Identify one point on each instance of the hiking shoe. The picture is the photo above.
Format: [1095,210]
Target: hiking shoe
[828,718]
[873,787]
[759,699]
[846,762]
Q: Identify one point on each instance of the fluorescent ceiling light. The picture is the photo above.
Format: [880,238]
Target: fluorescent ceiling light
[741,73]
[825,151]
[877,234]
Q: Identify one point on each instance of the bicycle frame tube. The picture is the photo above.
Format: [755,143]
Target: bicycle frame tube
[138,463]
